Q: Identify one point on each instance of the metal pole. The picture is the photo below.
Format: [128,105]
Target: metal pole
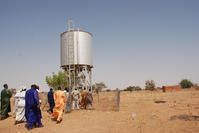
[90,76]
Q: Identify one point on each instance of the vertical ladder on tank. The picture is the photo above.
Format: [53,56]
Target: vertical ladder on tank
[77,58]
[71,57]
[70,50]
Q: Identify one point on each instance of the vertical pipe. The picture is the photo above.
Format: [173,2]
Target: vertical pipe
[90,77]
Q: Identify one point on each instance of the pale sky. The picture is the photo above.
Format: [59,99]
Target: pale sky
[133,40]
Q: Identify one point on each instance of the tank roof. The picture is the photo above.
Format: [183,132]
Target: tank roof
[76,30]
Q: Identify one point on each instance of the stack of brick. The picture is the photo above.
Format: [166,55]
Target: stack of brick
[171,88]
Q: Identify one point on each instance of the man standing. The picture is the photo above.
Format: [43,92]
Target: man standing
[83,98]
[60,100]
[75,96]
[67,104]
[89,99]
[20,105]
[51,100]
[86,98]
[5,102]
[32,108]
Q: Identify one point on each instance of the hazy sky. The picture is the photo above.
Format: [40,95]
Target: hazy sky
[133,40]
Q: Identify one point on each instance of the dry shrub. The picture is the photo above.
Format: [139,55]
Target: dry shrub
[196,87]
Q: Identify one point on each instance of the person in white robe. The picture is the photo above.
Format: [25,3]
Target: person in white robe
[75,97]
[20,105]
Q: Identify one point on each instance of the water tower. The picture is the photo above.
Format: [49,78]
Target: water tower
[76,57]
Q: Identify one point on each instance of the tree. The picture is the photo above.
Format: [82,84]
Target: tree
[150,85]
[133,88]
[137,88]
[185,83]
[129,88]
[99,86]
[57,80]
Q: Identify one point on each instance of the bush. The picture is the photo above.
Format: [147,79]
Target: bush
[196,87]
[133,88]
[185,83]
[108,90]
[137,88]
[130,88]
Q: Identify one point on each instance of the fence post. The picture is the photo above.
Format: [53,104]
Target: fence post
[117,99]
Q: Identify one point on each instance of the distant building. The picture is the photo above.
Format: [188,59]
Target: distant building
[171,88]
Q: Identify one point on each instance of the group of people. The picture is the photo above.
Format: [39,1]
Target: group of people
[26,108]
[27,104]
[60,101]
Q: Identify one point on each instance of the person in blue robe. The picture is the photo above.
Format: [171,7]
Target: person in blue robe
[32,108]
[51,100]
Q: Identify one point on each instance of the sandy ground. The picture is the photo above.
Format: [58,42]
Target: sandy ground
[174,112]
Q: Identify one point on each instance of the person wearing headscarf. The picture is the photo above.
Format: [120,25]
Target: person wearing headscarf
[83,95]
[67,104]
[86,99]
[32,108]
[5,102]
[60,100]
[20,105]
[89,99]
[51,100]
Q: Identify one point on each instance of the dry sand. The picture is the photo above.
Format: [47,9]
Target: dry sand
[174,112]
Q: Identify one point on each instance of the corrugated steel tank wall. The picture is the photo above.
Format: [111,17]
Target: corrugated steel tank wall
[82,48]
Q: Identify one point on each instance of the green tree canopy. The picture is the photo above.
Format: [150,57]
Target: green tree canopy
[57,80]
[133,88]
[99,86]
[185,83]
[150,85]
[129,88]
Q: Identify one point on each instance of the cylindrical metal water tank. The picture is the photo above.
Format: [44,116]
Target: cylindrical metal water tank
[76,48]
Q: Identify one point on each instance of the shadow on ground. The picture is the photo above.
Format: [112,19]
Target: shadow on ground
[185,117]
[160,101]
